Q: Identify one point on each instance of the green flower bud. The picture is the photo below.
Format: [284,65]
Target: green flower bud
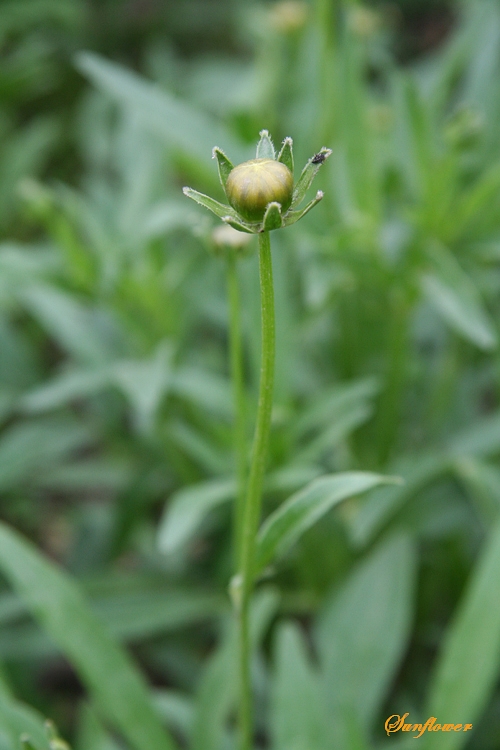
[251,186]
[261,191]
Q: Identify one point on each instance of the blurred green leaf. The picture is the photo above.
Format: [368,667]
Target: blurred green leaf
[363,632]
[84,333]
[187,508]
[180,124]
[16,720]
[301,511]
[416,471]
[457,300]
[145,383]
[176,709]
[298,707]
[28,448]
[467,668]
[111,678]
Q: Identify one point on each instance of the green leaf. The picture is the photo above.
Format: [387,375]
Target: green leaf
[265,148]
[298,710]
[176,710]
[64,388]
[308,174]
[204,389]
[285,156]
[272,217]
[145,383]
[30,447]
[219,209]
[337,431]
[482,438]
[417,471]
[187,508]
[224,165]
[91,734]
[301,511]
[461,308]
[467,669]
[181,125]
[454,295]
[363,632]
[17,720]
[79,330]
[114,683]
[238,225]
[130,616]
[482,482]
[333,403]
[293,216]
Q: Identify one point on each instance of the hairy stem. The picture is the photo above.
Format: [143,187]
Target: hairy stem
[253,499]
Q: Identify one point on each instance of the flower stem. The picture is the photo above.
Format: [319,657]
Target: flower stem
[236,365]
[252,507]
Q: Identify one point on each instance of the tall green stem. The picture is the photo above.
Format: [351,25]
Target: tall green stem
[236,364]
[253,500]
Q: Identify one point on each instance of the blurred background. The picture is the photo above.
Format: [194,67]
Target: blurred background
[116,443]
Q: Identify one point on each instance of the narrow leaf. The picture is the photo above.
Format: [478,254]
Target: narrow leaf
[219,209]
[380,506]
[467,669]
[223,164]
[181,125]
[265,148]
[308,174]
[454,295]
[293,216]
[285,156]
[20,721]
[111,678]
[287,524]
[272,217]
[235,224]
[187,508]
[460,306]
[298,716]
[363,633]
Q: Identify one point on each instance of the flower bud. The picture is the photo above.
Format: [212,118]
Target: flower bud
[251,186]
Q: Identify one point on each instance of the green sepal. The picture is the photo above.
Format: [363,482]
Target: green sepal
[308,174]
[238,225]
[224,165]
[219,209]
[292,216]
[265,148]
[285,156]
[272,218]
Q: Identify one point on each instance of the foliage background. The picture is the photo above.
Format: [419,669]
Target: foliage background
[116,455]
